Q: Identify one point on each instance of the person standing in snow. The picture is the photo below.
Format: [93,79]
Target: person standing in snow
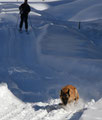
[24,11]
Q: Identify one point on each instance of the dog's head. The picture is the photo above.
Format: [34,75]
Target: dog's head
[64,96]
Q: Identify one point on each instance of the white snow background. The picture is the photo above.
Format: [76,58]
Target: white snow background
[35,66]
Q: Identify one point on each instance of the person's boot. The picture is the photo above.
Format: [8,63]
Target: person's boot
[20,29]
[26,31]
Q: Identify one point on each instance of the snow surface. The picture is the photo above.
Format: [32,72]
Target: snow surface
[79,10]
[14,109]
[35,66]
[94,112]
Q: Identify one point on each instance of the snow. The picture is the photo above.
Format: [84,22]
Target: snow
[79,10]
[89,14]
[40,6]
[12,108]
[94,112]
[28,1]
[35,66]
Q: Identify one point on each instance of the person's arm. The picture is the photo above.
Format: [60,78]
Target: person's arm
[29,9]
[20,7]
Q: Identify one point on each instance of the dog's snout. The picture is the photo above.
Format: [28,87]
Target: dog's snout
[65,100]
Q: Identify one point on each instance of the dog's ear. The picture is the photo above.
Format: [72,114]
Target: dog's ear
[61,92]
[68,92]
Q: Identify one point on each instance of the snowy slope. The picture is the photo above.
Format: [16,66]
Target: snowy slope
[94,112]
[80,10]
[89,14]
[13,109]
[37,65]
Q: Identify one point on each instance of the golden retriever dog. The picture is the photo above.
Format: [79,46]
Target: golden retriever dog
[69,94]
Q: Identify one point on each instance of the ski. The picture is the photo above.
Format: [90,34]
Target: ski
[22,31]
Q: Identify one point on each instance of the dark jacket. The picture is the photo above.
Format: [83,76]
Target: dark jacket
[24,9]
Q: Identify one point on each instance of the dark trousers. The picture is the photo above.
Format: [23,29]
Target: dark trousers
[24,18]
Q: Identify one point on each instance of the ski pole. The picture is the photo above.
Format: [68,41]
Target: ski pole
[31,26]
[30,22]
[17,20]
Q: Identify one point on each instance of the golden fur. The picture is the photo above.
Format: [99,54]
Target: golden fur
[69,94]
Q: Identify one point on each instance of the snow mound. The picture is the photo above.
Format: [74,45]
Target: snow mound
[11,108]
[89,14]
[94,112]
[62,41]
[39,6]
[80,8]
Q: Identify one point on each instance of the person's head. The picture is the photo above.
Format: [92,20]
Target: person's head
[25,1]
